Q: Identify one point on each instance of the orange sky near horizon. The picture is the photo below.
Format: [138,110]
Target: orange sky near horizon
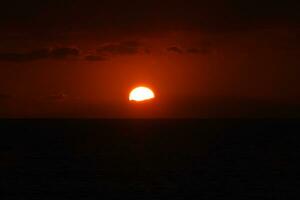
[181,66]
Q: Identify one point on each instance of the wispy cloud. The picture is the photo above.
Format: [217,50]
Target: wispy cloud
[175,49]
[202,48]
[40,54]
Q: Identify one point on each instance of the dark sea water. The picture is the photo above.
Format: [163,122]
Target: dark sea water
[149,159]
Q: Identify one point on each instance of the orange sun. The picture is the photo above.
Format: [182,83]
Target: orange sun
[141,94]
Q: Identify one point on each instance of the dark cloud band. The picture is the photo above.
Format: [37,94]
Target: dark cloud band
[56,53]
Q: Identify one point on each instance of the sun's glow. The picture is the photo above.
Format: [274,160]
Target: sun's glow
[141,94]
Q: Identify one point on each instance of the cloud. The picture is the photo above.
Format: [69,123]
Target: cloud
[175,49]
[24,57]
[205,47]
[40,54]
[202,48]
[60,53]
[116,49]
[122,48]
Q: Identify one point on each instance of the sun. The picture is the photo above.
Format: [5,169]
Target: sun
[141,94]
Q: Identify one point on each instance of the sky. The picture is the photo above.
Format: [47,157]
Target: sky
[75,58]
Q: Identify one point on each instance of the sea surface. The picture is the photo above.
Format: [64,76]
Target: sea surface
[149,159]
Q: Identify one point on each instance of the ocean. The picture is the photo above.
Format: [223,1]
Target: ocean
[149,159]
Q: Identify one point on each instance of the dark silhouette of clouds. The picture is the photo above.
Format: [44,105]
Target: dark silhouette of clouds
[205,47]
[199,50]
[202,48]
[64,52]
[24,57]
[175,49]
[40,54]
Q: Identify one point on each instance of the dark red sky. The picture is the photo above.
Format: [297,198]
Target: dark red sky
[78,58]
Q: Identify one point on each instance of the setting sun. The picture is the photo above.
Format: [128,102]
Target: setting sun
[141,94]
